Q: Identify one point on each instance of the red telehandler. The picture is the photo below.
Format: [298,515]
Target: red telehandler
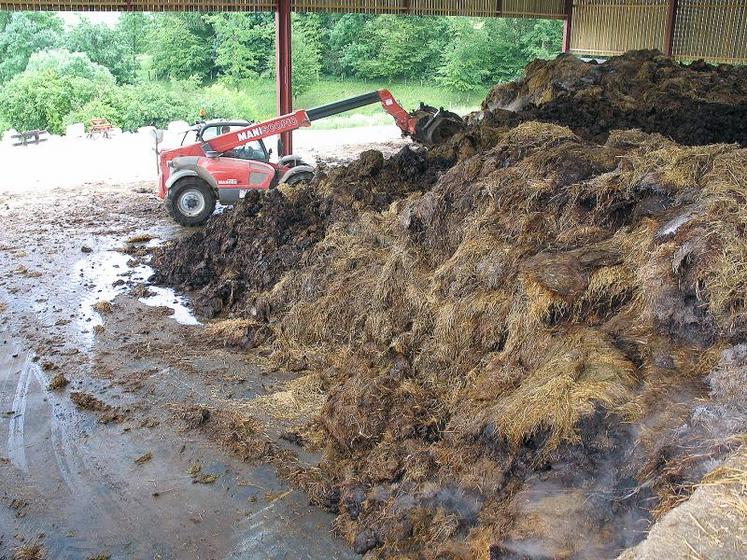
[228,158]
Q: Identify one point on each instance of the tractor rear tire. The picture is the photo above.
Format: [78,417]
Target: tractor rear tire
[304,176]
[191,201]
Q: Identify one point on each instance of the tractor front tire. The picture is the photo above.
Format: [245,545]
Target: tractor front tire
[191,201]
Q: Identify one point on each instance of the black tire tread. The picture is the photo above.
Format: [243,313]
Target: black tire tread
[299,177]
[180,185]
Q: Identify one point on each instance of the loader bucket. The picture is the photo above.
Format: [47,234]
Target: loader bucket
[435,126]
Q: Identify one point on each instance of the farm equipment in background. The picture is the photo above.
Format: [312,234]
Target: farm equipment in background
[100,127]
[223,160]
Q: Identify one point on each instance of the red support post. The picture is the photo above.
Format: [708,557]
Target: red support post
[567,26]
[669,27]
[283,66]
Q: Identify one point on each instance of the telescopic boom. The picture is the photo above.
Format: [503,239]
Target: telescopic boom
[426,125]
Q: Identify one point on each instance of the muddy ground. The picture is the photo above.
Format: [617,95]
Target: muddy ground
[99,464]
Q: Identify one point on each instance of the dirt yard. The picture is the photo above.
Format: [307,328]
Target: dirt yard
[94,459]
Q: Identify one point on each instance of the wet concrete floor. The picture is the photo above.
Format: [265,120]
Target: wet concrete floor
[68,479]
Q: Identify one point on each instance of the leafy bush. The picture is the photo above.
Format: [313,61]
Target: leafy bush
[70,64]
[60,88]
[94,109]
[103,45]
[151,104]
[35,100]
[55,84]
[218,101]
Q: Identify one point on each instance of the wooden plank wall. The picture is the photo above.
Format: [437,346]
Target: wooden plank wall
[612,27]
[714,30]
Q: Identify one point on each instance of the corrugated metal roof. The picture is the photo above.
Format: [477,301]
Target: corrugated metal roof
[139,5]
[486,8]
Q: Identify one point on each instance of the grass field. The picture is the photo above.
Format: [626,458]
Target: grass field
[260,96]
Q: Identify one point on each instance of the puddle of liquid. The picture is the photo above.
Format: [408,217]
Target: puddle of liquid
[166,297]
[100,271]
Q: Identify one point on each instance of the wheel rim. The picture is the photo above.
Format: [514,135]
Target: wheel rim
[191,203]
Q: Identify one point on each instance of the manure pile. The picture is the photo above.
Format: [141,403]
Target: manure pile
[695,104]
[531,345]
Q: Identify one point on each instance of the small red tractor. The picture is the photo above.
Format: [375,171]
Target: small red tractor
[222,160]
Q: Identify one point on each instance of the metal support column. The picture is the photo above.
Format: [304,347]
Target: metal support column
[669,27]
[567,26]
[283,66]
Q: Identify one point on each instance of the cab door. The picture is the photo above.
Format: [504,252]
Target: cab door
[235,177]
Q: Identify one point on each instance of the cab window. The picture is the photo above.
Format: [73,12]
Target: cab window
[190,137]
[211,132]
[251,150]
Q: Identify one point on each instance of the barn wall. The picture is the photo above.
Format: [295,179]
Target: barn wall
[615,26]
[711,29]
[714,30]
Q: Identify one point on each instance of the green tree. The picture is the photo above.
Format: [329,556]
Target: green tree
[244,44]
[104,46]
[466,63]
[181,45]
[306,54]
[542,37]
[132,28]
[21,35]
[392,47]
[516,42]
[485,52]
[324,23]
[346,32]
